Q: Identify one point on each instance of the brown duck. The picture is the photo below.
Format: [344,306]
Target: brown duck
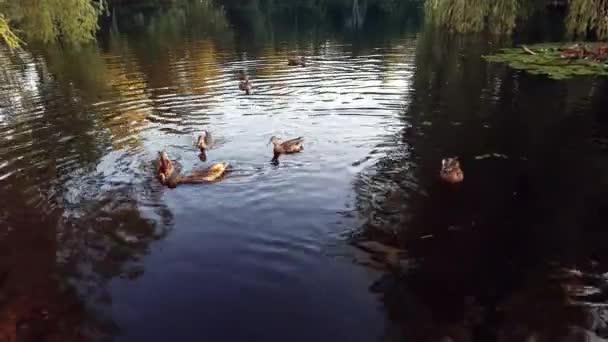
[204,142]
[169,177]
[296,61]
[165,167]
[245,85]
[451,171]
[285,147]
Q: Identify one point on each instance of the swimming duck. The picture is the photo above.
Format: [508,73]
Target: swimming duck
[207,175]
[165,168]
[451,171]
[168,176]
[296,61]
[285,147]
[245,85]
[204,142]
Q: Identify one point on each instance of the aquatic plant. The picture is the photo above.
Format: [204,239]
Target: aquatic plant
[547,59]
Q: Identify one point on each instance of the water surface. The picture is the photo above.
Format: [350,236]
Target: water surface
[266,254]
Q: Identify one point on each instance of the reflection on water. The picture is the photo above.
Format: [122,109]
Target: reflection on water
[117,256]
[515,253]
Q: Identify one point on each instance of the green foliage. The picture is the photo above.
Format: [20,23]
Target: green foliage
[71,21]
[501,16]
[547,61]
[474,15]
[588,16]
[7,35]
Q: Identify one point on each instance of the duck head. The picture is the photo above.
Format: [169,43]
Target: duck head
[274,140]
[451,171]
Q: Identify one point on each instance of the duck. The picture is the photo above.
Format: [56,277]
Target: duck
[165,168]
[245,85]
[290,146]
[167,175]
[296,61]
[209,174]
[204,141]
[451,171]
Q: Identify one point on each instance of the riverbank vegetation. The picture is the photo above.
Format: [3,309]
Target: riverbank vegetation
[583,18]
[77,21]
[48,21]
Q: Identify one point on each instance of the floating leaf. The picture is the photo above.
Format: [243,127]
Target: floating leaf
[547,61]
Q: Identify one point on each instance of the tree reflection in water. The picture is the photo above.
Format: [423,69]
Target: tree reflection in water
[69,225]
[513,253]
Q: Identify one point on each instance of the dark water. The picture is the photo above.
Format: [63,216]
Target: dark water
[92,246]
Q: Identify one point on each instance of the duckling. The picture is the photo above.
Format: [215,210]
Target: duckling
[285,147]
[296,61]
[451,171]
[245,85]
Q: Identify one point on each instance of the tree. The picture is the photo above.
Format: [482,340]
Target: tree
[7,35]
[68,21]
[587,16]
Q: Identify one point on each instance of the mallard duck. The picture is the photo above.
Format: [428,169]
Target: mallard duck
[165,167]
[206,175]
[245,85]
[204,141]
[285,147]
[296,61]
[169,177]
[451,171]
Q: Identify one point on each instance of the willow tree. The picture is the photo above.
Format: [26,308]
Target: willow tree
[588,16]
[7,35]
[68,21]
[500,16]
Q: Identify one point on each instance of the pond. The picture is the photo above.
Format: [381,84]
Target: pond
[94,247]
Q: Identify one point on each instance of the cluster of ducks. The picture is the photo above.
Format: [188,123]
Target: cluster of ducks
[169,176]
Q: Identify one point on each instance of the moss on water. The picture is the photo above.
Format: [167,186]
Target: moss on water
[548,61]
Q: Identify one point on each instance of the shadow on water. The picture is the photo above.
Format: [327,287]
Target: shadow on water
[515,252]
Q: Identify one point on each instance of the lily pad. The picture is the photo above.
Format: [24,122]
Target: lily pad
[547,60]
